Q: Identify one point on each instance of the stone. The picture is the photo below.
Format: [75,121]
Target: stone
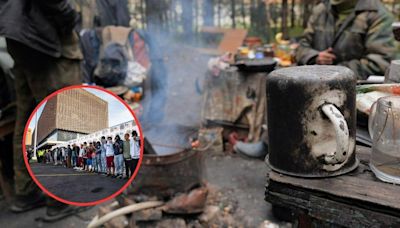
[209,214]
[167,223]
[153,214]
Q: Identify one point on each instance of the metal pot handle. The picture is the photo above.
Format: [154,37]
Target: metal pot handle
[342,135]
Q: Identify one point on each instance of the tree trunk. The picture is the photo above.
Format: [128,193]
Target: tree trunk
[263,26]
[284,28]
[208,12]
[233,13]
[219,12]
[243,12]
[292,14]
[187,18]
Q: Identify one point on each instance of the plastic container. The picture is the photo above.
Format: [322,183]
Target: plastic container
[384,124]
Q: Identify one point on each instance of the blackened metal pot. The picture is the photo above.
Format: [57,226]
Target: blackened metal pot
[312,121]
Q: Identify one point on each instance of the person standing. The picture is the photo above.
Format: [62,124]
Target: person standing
[75,153]
[99,165]
[85,156]
[69,157]
[93,156]
[135,150]
[118,157]
[80,156]
[41,40]
[63,156]
[89,151]
[127,156]
[353,33]
[55,156]
[110,157]
[103,155]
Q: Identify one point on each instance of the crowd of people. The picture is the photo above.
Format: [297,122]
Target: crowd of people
[107,156]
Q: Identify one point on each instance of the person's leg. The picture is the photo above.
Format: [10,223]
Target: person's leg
[112,166]
[127,167]
[115,165]
[25,188]
[121,165]
[104,162]
[36,77]
[108,166]
[94,161]
[99,164]
[134,165]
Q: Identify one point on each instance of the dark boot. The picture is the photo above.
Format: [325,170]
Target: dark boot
[55,213]
[27,203]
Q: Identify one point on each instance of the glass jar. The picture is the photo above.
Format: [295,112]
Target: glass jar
[384,126]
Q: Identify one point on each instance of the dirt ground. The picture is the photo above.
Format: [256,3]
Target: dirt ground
[236,184]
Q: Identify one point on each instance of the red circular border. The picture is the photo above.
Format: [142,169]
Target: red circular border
[80,203]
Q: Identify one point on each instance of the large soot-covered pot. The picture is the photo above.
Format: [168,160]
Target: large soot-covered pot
[312,120]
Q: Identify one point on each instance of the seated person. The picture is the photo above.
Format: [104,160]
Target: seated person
[352,33]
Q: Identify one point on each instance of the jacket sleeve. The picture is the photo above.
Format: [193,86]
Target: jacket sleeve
[380,47]
[60,12]
[305,54]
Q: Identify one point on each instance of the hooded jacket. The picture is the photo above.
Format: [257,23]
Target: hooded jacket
[44,25]
[364,42]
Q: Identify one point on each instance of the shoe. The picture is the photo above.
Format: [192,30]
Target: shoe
[27,203]
[255,150]
[56,213]
[119,177]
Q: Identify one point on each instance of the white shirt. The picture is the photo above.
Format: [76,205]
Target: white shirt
[135,149]
[109,149]
[81,151]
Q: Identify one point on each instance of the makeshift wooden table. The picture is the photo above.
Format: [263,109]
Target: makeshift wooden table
[357,199]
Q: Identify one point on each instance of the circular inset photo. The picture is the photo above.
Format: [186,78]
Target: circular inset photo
[83,145]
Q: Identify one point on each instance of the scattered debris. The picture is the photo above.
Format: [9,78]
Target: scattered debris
[191,203]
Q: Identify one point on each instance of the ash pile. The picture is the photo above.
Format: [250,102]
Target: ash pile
[170,190]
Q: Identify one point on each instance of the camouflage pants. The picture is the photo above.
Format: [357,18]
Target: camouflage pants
[36,76]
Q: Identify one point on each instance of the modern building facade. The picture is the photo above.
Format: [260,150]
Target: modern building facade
[28,140]
[70,114]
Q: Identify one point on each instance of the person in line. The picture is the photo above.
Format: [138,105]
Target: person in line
[63,157]
[118,157]
[94,161]
[89,163]
[127,156]
[55,156]
[103,155]
[69,156]
[135,150]
[80,157]
[109,146]
[99,165]
[75,153]
[85,157]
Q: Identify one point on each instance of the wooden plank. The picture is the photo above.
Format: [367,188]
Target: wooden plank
[348,215]
[360,185]
[232,39]
[328,211]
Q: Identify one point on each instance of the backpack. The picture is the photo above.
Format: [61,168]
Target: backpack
[113,65]
[123,58]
